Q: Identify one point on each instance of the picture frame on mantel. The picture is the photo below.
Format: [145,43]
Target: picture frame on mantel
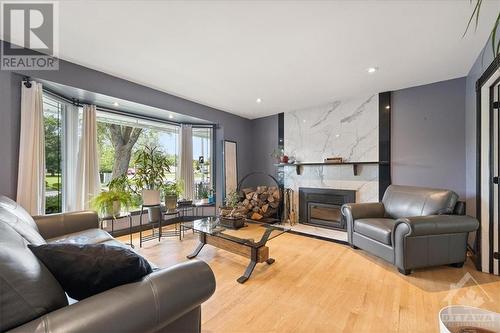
[230,166]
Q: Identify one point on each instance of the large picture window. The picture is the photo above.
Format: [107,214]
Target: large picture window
[120,138]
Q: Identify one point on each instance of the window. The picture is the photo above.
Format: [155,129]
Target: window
[202,161]
[120,137]
[53,112]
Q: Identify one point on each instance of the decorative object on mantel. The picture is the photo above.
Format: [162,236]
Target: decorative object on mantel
[333,160]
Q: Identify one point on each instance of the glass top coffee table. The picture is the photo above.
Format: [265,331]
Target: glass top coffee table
[248,241]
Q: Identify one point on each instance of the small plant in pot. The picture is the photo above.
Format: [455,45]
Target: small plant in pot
[171,193]
[203,192]
[229,214]
[111,203]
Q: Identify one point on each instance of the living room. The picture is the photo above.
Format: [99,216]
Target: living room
[270,166]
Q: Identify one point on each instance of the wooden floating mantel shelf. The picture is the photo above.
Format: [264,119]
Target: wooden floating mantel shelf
[298,166]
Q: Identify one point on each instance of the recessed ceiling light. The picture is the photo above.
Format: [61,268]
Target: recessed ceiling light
[388,107]
[258,101]
[337,136]
[116,104]
[372,70]
[171,116]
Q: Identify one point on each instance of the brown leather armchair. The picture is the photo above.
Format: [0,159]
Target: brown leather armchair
[413,227]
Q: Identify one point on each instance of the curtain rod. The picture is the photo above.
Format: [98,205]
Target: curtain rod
[77,102]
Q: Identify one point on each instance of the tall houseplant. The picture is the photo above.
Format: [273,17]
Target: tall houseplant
[151,169]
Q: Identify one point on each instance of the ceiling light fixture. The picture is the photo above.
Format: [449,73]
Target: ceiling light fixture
[258,101]
[116,104]
[171,116]
[372,70]
[388,107]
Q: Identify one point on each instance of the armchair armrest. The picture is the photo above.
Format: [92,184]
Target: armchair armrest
[149,305]
[354,211]
[363,210]
[437,224]
[56,225]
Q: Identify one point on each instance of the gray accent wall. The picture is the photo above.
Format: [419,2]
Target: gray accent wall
[428,136]
[484,59]
[10,101]
[229,126]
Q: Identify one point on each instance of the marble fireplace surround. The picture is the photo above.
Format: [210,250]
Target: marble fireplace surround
[347,128]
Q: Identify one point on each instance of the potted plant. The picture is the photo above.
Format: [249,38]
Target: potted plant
[151,169]
[118,197]
[229,215]
[171,193]
[203,192]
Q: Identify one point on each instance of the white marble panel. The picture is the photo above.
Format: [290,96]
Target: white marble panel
[342,128]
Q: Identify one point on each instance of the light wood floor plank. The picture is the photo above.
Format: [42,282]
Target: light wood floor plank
[319,286]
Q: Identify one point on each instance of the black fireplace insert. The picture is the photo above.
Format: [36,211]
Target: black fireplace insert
[321,206]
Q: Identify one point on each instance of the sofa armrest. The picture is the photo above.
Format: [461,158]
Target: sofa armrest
[354,211]
[55,225]
[436,224]
[153,303]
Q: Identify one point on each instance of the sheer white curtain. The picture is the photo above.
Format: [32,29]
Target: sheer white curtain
[71,159]
[31,169]
[186,160]
[87,171]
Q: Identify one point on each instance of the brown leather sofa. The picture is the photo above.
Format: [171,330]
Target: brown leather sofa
[413,227]
[31,300]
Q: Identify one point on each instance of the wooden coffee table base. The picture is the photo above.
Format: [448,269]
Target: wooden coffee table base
[255,254]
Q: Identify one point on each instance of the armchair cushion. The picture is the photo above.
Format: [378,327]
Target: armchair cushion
[379,229]
[438,224]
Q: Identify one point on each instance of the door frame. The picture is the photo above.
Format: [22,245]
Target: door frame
[481,84]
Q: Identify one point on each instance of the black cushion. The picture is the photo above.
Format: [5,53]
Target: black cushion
[86,270]
[379,229]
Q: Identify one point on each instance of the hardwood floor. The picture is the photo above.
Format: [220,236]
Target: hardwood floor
[319,286]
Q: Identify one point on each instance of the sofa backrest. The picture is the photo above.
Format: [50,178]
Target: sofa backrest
[20,220]
[28,290]
[17,210]
[406,201]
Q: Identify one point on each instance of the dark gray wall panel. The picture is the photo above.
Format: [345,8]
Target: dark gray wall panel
[10,99]
[428,135]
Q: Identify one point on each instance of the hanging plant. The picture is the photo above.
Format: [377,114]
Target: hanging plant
[475,17]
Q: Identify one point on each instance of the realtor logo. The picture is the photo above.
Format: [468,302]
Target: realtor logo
[31,28]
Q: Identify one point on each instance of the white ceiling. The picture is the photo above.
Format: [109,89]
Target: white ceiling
[292,55]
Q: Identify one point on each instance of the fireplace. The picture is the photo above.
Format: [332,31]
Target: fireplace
[321,206]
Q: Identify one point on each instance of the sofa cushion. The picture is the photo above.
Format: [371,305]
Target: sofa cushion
[21,227]
[406,201]
[89,236]
[379,229]
[86,270]
[18,211]
[28,290]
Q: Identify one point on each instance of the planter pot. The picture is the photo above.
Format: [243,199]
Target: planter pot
[204,201]
[170,202]
[113,209]
[154,214]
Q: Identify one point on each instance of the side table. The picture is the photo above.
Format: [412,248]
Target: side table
[113,218]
